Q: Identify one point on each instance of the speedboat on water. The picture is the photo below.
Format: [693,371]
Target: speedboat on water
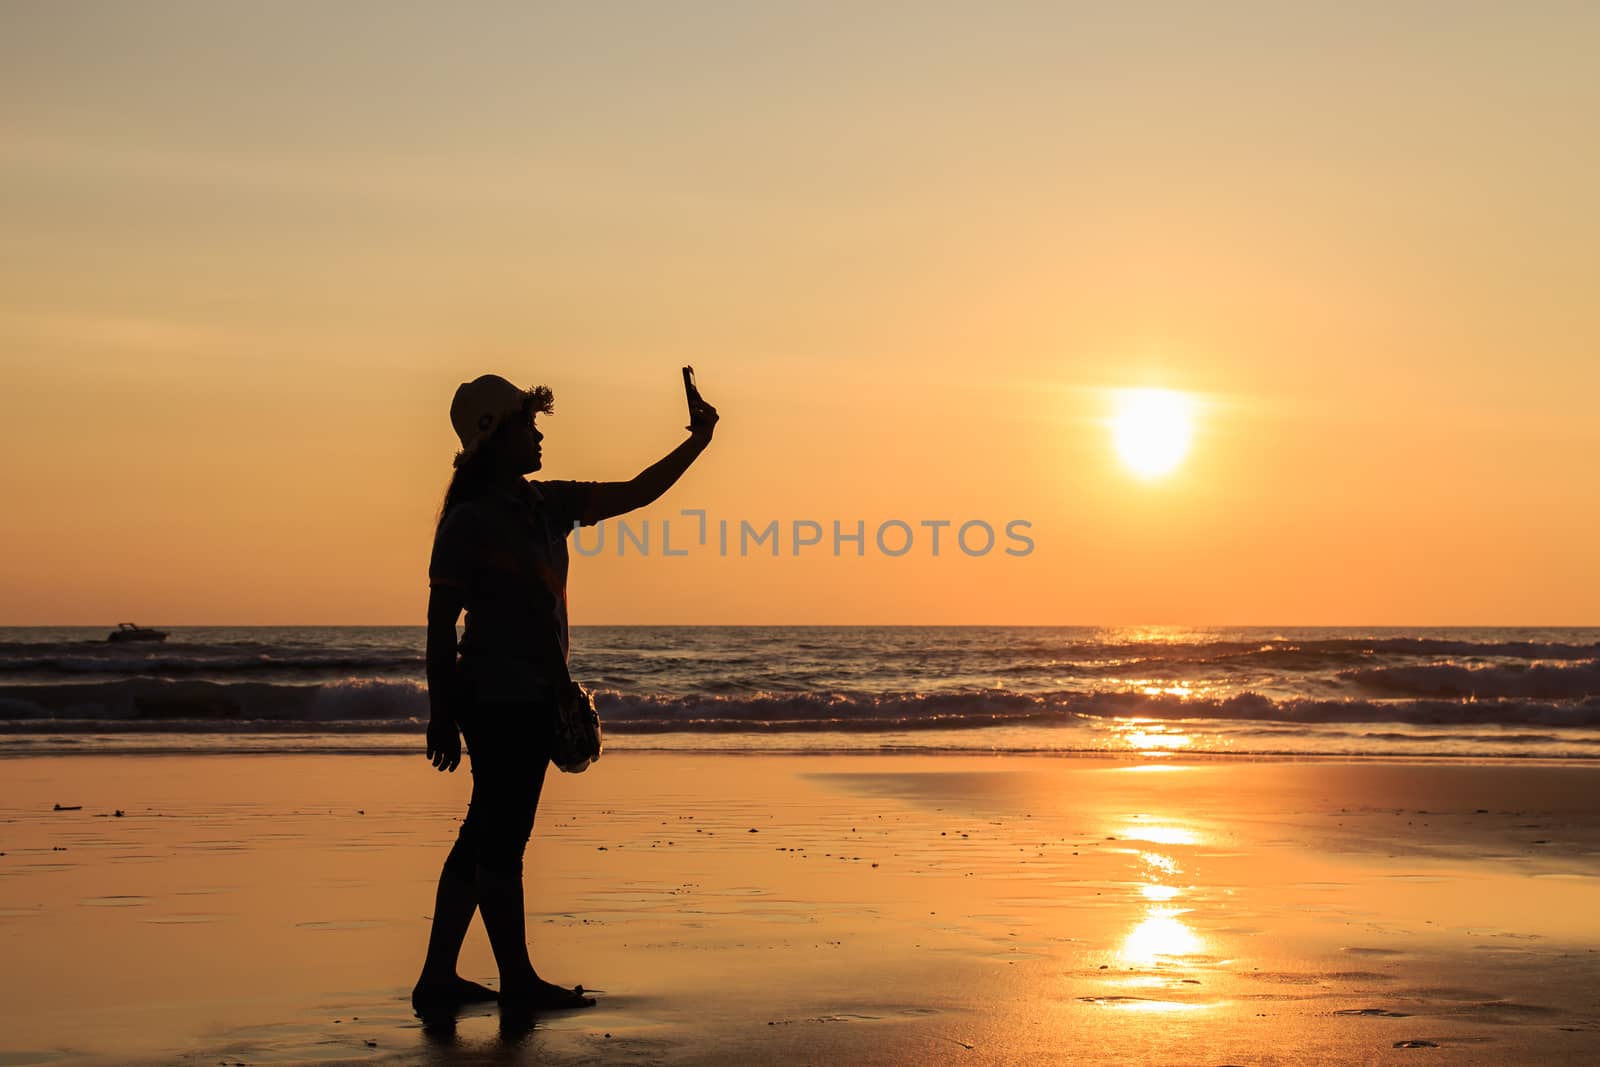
[127,631]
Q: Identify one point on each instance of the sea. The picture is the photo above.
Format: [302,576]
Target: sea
[1141,693]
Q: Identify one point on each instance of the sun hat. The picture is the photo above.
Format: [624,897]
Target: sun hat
[482,404]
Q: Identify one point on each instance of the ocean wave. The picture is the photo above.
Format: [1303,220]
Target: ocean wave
[977,709]
[190,663]
[1000,652]
[212,727]
[1544,698]
[240,705]
[146,700]
[1208,650]
[1450,680]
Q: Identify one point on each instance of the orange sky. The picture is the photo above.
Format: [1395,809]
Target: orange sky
[248,253]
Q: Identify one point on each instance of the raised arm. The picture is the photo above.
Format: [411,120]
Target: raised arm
[444,688]
[609,499]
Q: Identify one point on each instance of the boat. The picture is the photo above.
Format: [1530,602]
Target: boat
[127,631]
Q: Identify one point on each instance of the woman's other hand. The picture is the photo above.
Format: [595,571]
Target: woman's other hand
[447,598]
[444,744]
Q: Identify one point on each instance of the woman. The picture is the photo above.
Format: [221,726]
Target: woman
[500,554]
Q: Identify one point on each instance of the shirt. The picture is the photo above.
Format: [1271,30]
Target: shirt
[506,551]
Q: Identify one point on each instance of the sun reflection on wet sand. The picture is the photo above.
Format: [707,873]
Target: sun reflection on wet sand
[1142,1005]
[1164,864]
[1159,835]
[1159,936]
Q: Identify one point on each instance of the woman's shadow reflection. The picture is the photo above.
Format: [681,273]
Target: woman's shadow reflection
[440,1028]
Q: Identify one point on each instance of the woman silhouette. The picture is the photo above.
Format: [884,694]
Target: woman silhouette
[500,554]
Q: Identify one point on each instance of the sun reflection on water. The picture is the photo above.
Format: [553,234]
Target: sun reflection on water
[1151,742]
[1147,736]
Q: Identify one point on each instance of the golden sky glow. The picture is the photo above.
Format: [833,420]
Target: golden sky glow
[915,259]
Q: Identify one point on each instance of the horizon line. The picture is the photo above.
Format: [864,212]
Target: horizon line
[861,625]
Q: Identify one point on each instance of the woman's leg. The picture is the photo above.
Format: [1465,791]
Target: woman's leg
[454,903]
[508,769]
[456,898]
[513,800]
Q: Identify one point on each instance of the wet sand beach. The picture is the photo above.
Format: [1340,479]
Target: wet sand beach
[815,909]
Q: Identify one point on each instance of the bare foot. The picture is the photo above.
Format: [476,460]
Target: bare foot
[450,993]
[533,993]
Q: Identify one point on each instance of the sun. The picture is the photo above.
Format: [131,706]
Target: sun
[1152,428]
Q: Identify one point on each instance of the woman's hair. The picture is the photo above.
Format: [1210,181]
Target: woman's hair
[475,473]
[470,480]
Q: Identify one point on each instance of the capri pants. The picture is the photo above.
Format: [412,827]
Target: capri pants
[508,745]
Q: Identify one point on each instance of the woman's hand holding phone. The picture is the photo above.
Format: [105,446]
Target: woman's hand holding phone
[702,416]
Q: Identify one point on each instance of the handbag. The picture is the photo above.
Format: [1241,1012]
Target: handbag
[577,742]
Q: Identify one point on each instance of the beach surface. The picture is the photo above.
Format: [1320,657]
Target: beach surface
[814,909]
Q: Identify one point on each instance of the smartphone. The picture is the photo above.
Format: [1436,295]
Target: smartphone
[689,391]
